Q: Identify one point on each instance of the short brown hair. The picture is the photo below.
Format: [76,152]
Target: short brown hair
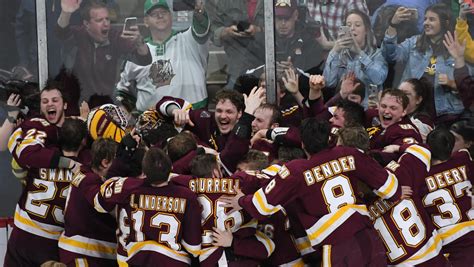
[102,148]
[156,165]
[276,114]
[233,96]
[86,10]
[203,165]
[354,137]
[180,145]
[399,94]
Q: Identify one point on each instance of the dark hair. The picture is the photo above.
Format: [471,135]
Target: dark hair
[354,137]
[370,42]
[51,85]
[102,148]
[97,100]
[256,159]
[399,94]
[71,134]
[92,4]
[287,153]
[245,83]
[441,143]
[314,135]
[203,165]
[423,88]
[276,114]
[233,96]
[181,145]
[444,14]
[156,165]
[354,113]
[464,129]
[159,136]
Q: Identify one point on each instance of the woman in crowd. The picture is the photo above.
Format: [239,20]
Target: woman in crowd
[358,53]
[419,106]
[425,55]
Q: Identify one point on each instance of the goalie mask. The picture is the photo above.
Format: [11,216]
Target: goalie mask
[107,121]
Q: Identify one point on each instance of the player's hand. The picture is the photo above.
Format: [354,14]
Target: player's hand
[13,102]
[181,118]
[407,192]
[348,84]
[290,79]
[232,202]
[316,82]
[70,6]
[222,238]
[259,135]
[391,149]
[84,110]
[255,98]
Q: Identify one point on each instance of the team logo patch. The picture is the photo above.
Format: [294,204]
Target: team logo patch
[161,72]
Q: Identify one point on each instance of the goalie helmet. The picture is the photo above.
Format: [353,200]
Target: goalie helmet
[107,121]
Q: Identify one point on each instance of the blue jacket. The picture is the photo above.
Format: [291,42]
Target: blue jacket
[370,69]
[446,101]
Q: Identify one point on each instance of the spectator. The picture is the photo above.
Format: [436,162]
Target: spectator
[464,81]
[425,56]
[357,53]
[234,26]
[97,48]
[419,104]
[10,121]
[330,15]
[183,53]
[295,46]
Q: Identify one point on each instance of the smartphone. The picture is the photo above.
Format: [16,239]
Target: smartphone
[344,31]
[129,23]
[414,13]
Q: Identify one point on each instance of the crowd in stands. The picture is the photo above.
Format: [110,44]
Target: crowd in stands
[365,159]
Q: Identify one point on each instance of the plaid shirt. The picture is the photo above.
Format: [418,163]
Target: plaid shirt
[331,13]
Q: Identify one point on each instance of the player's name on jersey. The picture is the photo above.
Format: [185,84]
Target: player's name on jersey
[329,169]
[56,175]
[379,208]
[446,178]
[214,185]
[158,203]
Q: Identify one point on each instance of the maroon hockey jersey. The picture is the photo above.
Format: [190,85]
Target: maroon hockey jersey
[447,196]
[86,232]
[247,243]
[403,132]
[404,226]
[325,187]
[33,144]
[161,223]
[230,147]
[40,208]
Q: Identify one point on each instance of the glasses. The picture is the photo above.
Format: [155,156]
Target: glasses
[159,13]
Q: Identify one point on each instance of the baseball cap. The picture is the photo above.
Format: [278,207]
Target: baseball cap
[285,8]
[151,4]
